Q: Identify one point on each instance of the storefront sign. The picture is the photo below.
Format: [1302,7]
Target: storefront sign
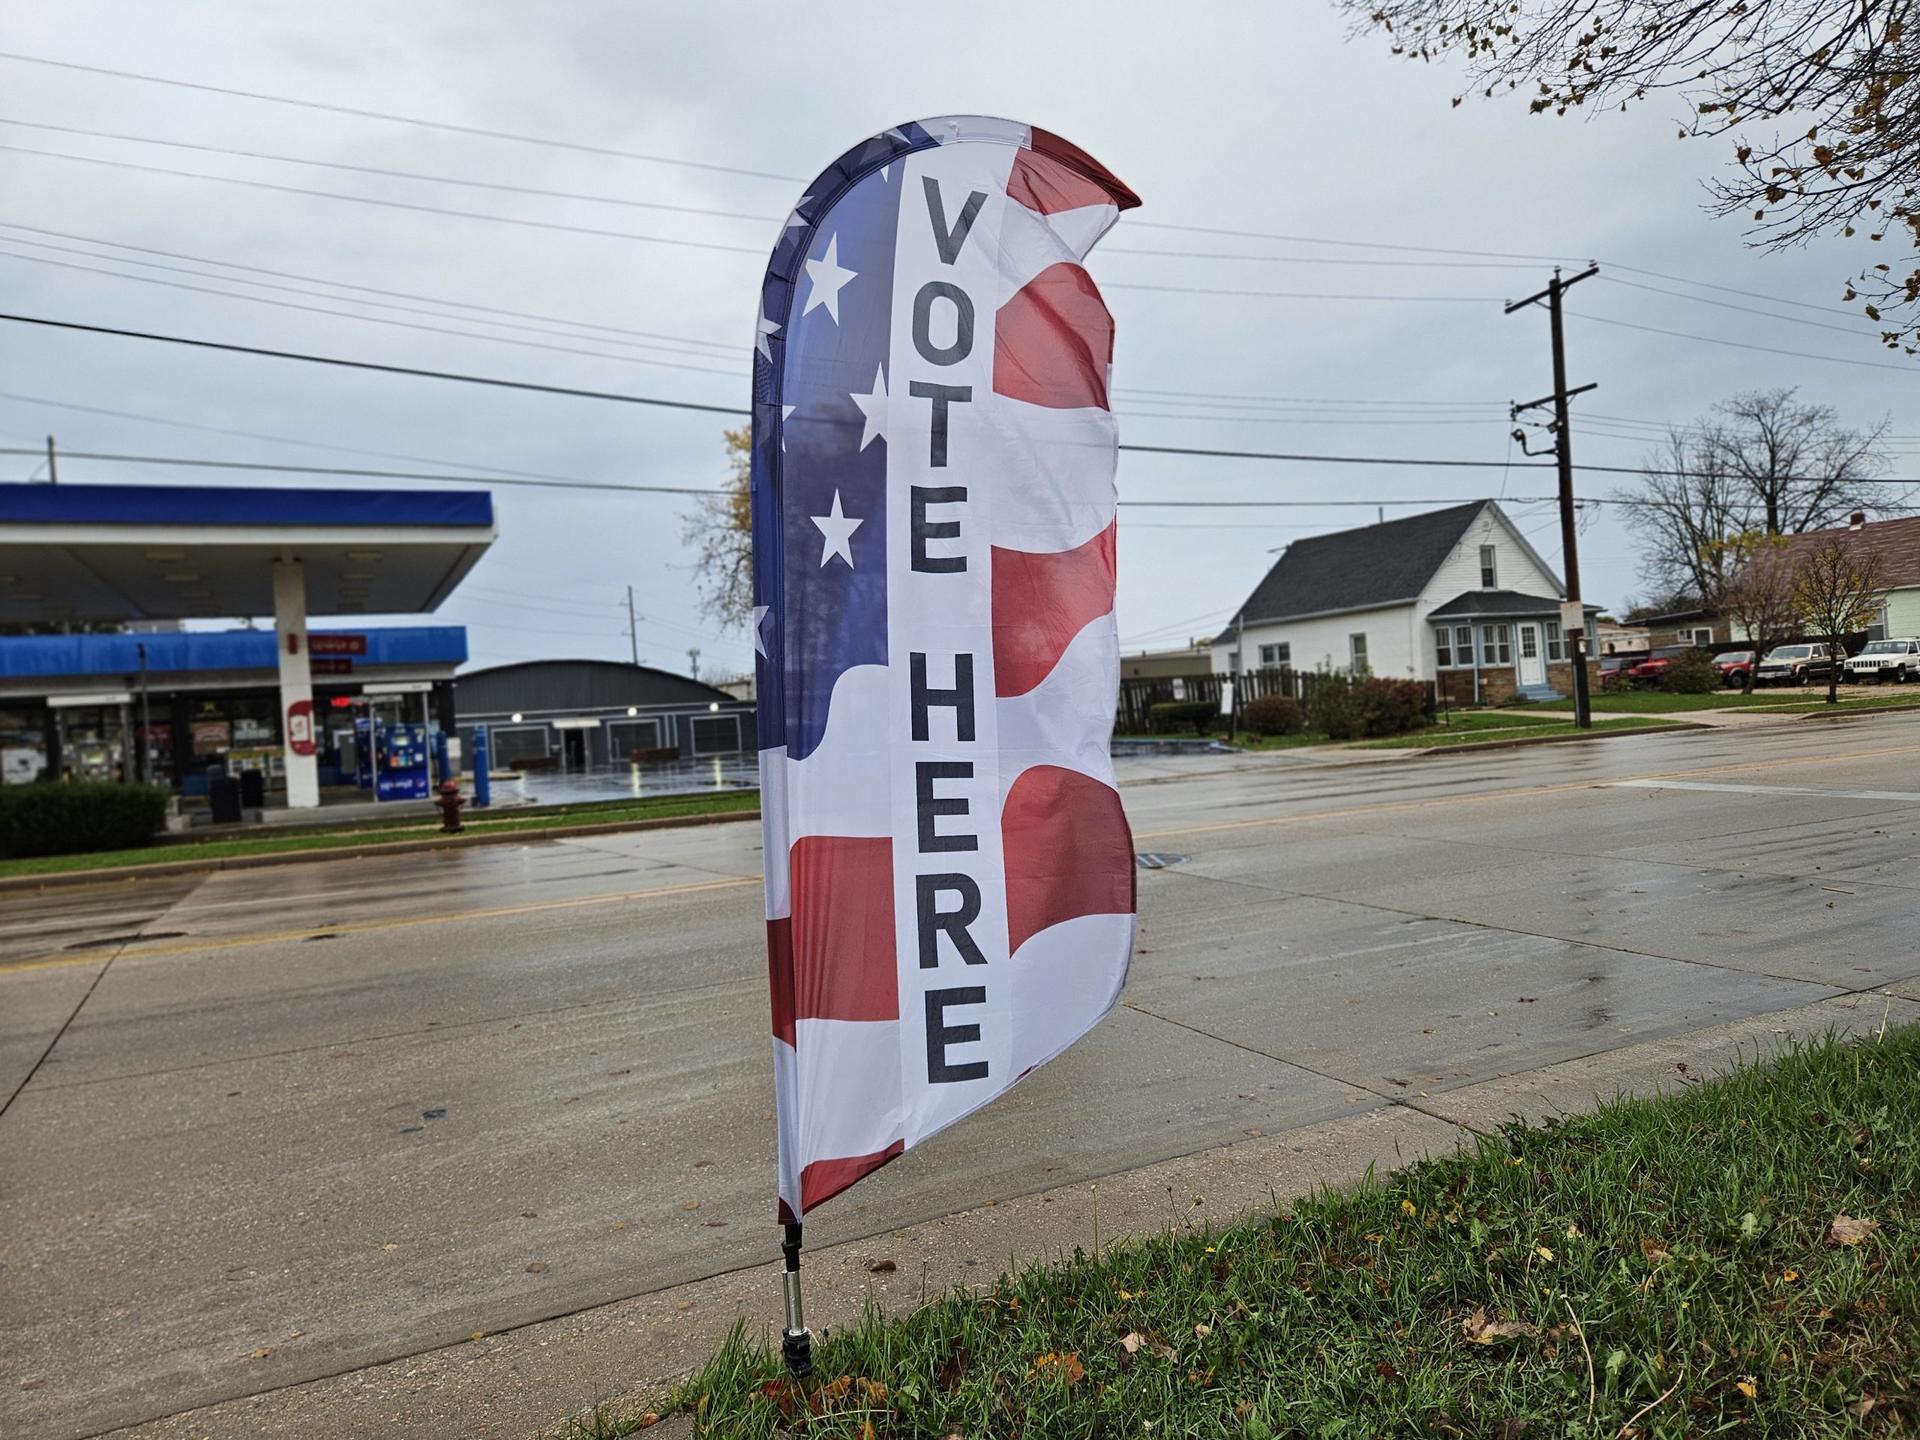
[330,667]
[336,644]
[300,727]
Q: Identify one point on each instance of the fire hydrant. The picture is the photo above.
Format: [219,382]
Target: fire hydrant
[450,800]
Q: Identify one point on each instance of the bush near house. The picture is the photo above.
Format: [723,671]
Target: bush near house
[1333,707]
[66,819]
[1177,717]
[1690,675]
[1273,715]
[1390,707]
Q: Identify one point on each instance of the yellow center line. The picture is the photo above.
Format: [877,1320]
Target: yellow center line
[398,922]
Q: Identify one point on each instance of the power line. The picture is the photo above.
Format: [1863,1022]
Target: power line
[387,174]
[1291,294]
[1743,345]
[1857,331]
[447,125]
[465,379]
[390,204]
[736,412]
[724,346]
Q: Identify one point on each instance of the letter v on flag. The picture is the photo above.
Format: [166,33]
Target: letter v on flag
[950,876]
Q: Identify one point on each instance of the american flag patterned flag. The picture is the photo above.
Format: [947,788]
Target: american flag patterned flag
[949,873]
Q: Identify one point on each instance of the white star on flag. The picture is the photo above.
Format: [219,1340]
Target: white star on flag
[762,328]
[828,277]
[838,530]
[873,405]
[759,634]
[786,414]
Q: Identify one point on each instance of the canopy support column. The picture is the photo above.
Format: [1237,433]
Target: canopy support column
[296,683]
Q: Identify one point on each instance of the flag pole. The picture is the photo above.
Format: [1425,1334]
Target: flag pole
[796,1344]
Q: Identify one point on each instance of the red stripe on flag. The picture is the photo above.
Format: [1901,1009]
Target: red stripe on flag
[780,976]
[1110,188]
[1040,602]
[842,929]
[1053,341]
[1069,851]
[824,1179]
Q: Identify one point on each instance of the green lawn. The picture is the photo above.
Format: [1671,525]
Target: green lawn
[1476,727]
[373,833]
[1652,702]
[1738,1258]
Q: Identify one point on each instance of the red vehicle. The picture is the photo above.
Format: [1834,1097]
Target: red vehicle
[1647,672]
[1735,667]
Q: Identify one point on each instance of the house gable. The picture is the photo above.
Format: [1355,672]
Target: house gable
[1517,565]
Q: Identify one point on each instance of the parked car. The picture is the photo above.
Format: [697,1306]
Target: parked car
[1793,665]
[1885,660]
[1735,667]
[1614,665]
[1647,671]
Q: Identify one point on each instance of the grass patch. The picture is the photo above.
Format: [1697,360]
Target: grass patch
[1667,1265]
[613,812]
[1658,702]
[1502,726]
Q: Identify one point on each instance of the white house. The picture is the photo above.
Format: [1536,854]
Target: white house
[1456,596]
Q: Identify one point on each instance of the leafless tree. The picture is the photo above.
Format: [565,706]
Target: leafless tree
[720,532]
[1762,462]
[1838,591]
[1759,602]
[1817,98]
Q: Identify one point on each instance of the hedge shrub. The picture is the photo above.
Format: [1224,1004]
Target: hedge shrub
[1391,707]
[1177,717]
[65,819]
[1273,715]
[1333,707]
[1690,675]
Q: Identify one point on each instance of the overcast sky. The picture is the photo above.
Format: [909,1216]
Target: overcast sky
[1239,117]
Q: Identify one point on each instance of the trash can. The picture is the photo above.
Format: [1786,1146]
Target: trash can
[223,798]
[253,790]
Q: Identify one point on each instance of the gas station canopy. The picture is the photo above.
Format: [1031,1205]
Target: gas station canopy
[148,552]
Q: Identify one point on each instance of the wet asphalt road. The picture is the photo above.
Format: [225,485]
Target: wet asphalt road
[299,1120]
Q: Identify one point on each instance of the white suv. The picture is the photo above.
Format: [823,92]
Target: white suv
[1886,660]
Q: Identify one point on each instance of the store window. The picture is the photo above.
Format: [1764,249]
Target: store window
[23,746]
[716,734]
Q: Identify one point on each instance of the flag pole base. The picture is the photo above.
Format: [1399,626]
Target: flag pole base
[796,1342]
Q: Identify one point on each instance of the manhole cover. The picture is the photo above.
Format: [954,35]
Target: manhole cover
[1157,860]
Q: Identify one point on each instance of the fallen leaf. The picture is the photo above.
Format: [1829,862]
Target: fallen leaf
[1746,1386]
[529,1214]
[1846,1230]
[1131,1342]
[389,1246]
[1202,1331]
[537,1267]
[881,1267]
[1543,1252]
[689,1204]
[260,1352]
[1789,1276]
[1510,1430]
[39,1384]
[623,1224]
[1054,1366]
[873,1392]
[1385,1371]
[1483,1331]
[1654,1252]
[647,1421]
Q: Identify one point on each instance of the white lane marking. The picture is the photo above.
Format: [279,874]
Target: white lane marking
[1819,790]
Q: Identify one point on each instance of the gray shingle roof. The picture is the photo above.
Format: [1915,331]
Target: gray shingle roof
[1375,565]
[1501,602]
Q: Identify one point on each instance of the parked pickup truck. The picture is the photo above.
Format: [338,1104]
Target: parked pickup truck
[1793,665]
[1885,660]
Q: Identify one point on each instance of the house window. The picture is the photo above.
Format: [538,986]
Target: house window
[1878,629]
[1357,653]
[1280,654]
[1556,646]
[1443,647]
[1701,635]
[1463,645]
[1496,644]
[1489,575]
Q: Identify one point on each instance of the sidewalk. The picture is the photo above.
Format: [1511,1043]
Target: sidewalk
[524,1382]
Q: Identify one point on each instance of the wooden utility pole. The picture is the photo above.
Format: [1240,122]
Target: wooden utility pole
[53,467]
[1563,452]
[633,627]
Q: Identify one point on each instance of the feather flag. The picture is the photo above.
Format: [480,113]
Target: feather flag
[949,873]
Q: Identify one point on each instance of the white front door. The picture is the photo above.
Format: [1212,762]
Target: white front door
[1533,666]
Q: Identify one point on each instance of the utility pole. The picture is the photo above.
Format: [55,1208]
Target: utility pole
[633,628]
[1575,636]
[693,657]
[53,468]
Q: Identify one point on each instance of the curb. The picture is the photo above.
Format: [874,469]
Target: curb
[64,878]
[1559,738]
